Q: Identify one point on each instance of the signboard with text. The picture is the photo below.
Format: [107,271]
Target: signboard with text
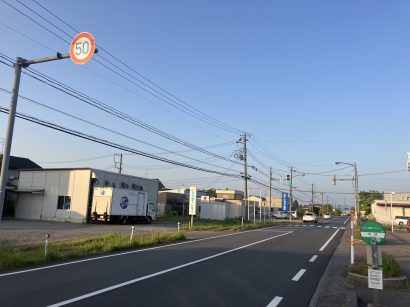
[375,278]
[285,201]
[372,231]
[192,201]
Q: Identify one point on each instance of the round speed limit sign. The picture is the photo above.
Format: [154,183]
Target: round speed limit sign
[82,48]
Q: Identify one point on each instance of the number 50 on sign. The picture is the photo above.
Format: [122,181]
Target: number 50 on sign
[82,48]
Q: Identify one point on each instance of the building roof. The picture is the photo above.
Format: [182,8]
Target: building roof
[18,163]
[395,203]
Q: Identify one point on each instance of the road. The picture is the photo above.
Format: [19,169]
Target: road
[276,266]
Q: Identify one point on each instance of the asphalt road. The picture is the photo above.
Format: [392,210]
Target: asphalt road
[277,266]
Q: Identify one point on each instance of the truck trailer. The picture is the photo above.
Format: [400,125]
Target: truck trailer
[121,206]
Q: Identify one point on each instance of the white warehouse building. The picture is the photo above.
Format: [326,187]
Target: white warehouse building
[66,194]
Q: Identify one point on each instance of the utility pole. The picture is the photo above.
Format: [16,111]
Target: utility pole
[290,193]
[322,201]
[18,66]
[270,193]
[356,191]
[312,197]
[244,157]
[119,167]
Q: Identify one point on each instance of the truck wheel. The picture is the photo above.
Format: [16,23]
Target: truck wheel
[148,220]
[124,220]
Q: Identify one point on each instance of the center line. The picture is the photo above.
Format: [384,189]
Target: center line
[299,275]
[275,302]
[133,281]
[313,258]
[346,220]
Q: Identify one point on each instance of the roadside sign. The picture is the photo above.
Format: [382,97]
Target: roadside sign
[192,201]
[205,199]
[82,48]
[375,278]
[372,230]
[285,201]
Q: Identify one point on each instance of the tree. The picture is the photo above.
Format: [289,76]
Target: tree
[295,205]
[366,199]
[211,192]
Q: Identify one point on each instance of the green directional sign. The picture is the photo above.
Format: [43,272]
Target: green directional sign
[372,230]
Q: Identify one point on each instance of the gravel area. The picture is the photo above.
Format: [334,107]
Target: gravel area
[24,232]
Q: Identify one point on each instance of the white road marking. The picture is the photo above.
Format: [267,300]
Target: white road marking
[346,221]
[334,227]
[133,281]
[127,253]
[319,226]
[328,241]
[313,258]
[275,302]
[304,225]
[327,226]
[311,225]
[299,275]
[344,228]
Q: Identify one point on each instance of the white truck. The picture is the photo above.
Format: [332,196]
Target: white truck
[121,205]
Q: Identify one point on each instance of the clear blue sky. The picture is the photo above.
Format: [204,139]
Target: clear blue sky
[314,81]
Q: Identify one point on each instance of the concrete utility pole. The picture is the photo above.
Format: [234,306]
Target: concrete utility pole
[119,163]
[270,193]
[312,197]
[290,193]
[322,201]
[18,66]
[244,156]
[356,190]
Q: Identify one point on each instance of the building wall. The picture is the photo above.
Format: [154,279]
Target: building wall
[384,213]
[72,183]
[397,196]
[221,210]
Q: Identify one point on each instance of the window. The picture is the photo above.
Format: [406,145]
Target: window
[64,202]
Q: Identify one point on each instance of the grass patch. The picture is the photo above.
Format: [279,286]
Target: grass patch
[233,224]
[19,256]
[391,267]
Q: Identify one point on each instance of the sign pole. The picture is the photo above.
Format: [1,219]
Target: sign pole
[82,49]
[376,301]
[9,134]
[352,240]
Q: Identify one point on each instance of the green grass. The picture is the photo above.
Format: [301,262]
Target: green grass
[19,256]
[391,267]
[233,224]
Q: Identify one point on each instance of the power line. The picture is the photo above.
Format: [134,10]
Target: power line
[111,144]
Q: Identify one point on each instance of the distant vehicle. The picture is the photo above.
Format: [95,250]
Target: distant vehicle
[309,217]
[401,220]
[121,206]
[327,216]
[408,225]
[281,215]
[294,214]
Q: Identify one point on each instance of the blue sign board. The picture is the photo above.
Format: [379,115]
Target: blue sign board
[285,201]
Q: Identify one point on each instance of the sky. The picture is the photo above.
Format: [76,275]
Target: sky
[311,82]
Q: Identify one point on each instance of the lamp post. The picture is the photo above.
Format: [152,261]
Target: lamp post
[291,189]
[356,189]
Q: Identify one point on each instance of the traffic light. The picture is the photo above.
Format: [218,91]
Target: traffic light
[288,179]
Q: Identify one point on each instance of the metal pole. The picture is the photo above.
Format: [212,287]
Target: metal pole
[9,133]
[356,190]
[352,239]
[260,206]
[391,212]
[245,172]
[375,260]
[46,245]
[120,170]
[132,234]
[270,194]
[290,194]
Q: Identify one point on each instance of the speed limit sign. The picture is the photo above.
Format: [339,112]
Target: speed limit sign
[82,48]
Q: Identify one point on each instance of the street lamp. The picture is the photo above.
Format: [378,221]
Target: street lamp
[356,189]
[290,190]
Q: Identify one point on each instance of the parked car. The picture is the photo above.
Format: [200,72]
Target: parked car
[401,220]
[327,216]
[309,217]
[281,215]
[408,225]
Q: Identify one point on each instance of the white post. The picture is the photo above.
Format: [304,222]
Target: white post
[179,226]
[242,222]
[132,233]
[352,239]
[46,245]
